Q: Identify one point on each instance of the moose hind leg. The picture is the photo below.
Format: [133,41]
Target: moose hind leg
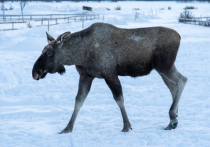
[171,87]
[115,86]
[175,81]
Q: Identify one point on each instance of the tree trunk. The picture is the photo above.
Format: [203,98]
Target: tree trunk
[22,14]
[3,11]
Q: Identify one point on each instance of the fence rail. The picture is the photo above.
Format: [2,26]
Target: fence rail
[204,21]
[6,18]
[50,20]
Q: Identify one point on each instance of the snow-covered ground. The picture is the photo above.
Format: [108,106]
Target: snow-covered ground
[33,112]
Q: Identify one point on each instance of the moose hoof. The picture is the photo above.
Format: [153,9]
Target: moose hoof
[171,126]
[126,129]
[65,131]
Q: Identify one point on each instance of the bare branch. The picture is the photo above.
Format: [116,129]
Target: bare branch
[22,6]
[2,8]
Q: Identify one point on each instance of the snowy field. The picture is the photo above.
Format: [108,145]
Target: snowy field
[33,112]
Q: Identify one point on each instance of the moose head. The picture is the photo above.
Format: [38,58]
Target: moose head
[50,61]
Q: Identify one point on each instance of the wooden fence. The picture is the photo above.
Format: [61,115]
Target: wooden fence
[204,21]
[19,18]
[46,20]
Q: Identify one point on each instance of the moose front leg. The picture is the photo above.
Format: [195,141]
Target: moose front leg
[84,88]
[115,86]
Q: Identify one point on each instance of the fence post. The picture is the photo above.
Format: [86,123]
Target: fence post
[83,22]
[135,15]
[13,26]
[48,26]
[68,19]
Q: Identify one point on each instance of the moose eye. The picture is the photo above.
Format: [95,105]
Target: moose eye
[49,53]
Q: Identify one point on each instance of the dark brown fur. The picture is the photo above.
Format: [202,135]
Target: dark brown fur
[118,50]
[105,51]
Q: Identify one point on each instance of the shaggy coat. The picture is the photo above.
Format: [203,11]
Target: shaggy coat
[105,51]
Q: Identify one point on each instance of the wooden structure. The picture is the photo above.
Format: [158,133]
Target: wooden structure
[45,20]
[204,21]
[87,8]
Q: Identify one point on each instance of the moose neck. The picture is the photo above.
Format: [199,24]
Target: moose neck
[75,49]
[73,53]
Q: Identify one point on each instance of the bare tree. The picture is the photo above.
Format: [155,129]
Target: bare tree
[2,8]
[22,6]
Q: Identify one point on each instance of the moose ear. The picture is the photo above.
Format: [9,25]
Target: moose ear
[63,37]
[49,38]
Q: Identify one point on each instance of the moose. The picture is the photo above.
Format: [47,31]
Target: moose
[105,51]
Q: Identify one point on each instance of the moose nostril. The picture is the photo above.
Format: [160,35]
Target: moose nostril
[35,76]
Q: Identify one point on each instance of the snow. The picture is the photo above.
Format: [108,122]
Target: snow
[33,112]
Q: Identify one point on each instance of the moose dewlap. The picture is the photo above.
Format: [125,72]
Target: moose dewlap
[105,51]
